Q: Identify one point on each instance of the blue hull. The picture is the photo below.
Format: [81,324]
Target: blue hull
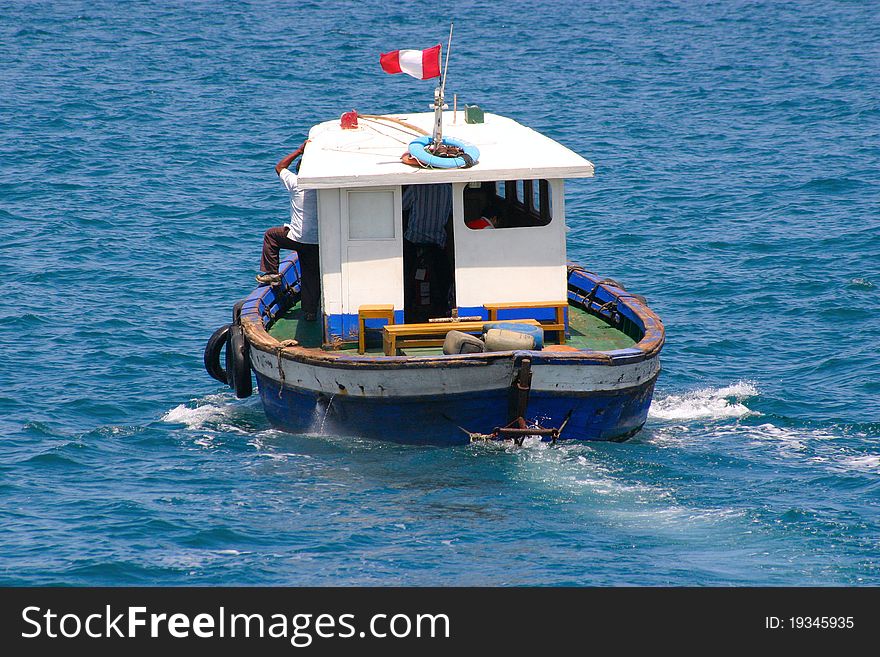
[613,415]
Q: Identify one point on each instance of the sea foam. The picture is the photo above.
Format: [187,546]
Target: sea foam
[706,403]
[213,410]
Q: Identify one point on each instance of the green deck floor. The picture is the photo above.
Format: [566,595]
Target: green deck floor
[589,332]
[586,332]
[292,326]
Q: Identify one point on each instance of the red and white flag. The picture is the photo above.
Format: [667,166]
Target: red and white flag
[421,64]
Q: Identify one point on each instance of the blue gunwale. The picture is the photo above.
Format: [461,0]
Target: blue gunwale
[586,290]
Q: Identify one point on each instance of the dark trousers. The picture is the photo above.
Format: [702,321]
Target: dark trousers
[276,239]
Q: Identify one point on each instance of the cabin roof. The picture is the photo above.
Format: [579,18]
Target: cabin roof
[370,154]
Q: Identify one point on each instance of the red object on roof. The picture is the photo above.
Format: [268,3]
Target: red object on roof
[349,120]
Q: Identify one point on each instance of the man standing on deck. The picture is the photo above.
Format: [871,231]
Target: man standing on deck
[300,235]
[424,242]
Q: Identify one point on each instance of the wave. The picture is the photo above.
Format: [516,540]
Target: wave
[218,413]
[208,412]
[840,449]
[706,403]
[835,448]
[860,463]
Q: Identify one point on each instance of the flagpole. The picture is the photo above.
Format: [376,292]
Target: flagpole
[438,95]
[446,65]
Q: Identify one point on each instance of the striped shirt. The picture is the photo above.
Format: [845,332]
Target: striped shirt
[429,208]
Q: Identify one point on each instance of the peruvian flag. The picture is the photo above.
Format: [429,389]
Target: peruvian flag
[421,64]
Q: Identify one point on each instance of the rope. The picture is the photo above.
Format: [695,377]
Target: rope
[278,350]
[591,297]
[391,119]
[384,134]
[359,150]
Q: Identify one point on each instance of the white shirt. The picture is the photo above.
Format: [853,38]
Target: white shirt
[303,226]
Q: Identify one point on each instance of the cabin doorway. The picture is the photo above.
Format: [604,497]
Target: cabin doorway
[428,267]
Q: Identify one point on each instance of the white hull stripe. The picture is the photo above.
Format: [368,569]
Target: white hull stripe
[420,382]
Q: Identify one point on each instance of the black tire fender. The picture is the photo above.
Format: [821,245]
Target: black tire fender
[218,340]
[240,369]
[236,311]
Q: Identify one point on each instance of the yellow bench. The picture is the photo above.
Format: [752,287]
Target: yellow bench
[558,325]
[431,334]
[372,311]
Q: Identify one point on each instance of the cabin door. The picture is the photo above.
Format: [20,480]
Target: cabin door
[372,247]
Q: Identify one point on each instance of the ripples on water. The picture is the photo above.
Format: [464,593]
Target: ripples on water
[737,187]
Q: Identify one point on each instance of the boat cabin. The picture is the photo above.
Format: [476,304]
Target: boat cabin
[505,234]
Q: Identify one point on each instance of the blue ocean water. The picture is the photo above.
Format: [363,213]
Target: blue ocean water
[737,148]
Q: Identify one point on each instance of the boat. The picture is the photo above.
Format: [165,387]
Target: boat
[582,354]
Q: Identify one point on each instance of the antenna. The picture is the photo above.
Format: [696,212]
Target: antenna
[446,65]
[438,96]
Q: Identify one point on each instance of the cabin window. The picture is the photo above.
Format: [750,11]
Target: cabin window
[371,215]
[508,204]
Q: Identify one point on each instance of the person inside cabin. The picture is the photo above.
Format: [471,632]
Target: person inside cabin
[425,263]
[300,235]
[482,222]
[481,207]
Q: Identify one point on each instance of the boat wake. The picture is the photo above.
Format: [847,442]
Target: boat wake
[653,486]
[706,403]
[207,419]
[715,418]
[219,412]
[836,449]
[611,486]
[696,419]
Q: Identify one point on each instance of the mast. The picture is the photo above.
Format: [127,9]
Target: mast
[438,96]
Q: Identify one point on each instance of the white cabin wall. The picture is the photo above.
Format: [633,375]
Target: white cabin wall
[557,193]
[510,264]
[329,241]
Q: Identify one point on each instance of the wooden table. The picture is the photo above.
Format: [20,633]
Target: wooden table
[432,334]
[558,325]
